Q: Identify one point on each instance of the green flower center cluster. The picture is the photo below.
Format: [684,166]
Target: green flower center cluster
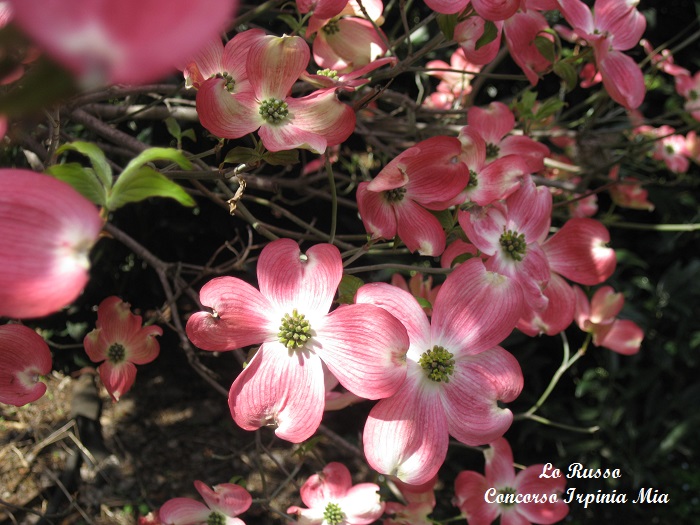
[395,195]
[295,330]
[473,179]
[230,82]
[492,150]
[506,491]
[274,110]
[216,518]
[333,515]
[514,244]
[330,73]
[438,363]
[116,353]
[332,27]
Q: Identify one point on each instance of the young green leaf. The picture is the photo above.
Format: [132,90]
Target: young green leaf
[143,183]
[97,158]
[83,180]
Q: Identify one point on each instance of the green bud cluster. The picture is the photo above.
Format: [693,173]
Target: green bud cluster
[514,244]
[438,363]
[332,27]
[274,110]
[492,150]
[330,73]
[333,514]
[116,353]
[395,195]
[295,330]
[230,82]
[216,518]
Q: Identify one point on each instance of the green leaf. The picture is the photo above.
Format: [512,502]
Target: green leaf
[243,155]
[567,73]
[424,303]
[173,127]
[151,155]
[447,24]
[548,108]
[446,219]
[97,159]
[189,134]
[83,180]
[281,158]
[546,48]
[347,288]
[144,183]
[489,35]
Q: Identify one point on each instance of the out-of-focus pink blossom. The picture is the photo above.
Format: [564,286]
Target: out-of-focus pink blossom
[332,498]
[284,385]
[122,41]
[274,64]
[468,32]
[456,83]
[629,192]
[419,504]
[423,176]
[120,340]
[223,504]
[689,87]
[456,373]
[47,230]
[599,318]
[612,27]
[477,496]
[669,147]
[24,356]
[419,287]
[521,29]
[663,60]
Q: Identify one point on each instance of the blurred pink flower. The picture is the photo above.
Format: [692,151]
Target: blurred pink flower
[419,504]
[283,385]
[274,64]
[456,376]
[599,318]
[629,192]
[419,287]
[476,495]
[223,504]
[456,83]
[24,356]
[122,41]
[612,27]
[331,498]
[121,342]
[419,179]
[47,230]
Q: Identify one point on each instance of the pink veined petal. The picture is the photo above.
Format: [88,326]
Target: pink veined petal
[605,304]
[241,316]
[528,481]
[115,320]
[228,498]
[362,504]
[236,52]
[105,43]
[143,346]
[473,148]
[511,516]
[395,174]
[484,226]
[582,309]
[323,114]
[274,64]
[467,34]
[419,229]
[577,14]
[307,281]
[579,252]
[332,484]
[456,249]
[24,356]
[559,312]
[622,78]
[183,511]
[224,114]
[377,214]
[625,337]
[530,209]
[529,150]
[282,388]
[286,136]
[364,346]
[356,42]
[205,63]
[321,8]
[118,378]
[622,20]
[402,305]
[475,309]
[496,9]
[470,399]
[406,435]
[324,54]
[470,488]
[96,345]
[499,468]
[44,253]
[520,30]
[498,180]
[493,122]
[447,7]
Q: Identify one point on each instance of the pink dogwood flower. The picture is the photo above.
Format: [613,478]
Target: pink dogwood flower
[122,41]
[24,356]
[423,176]
[120,340]
[599,318]
[47,230]
[467,34]
[520,31]
[455,83]
[479,497]
[283,385]
[274,64]
[348,43]
[456,373]
[419,504]
[613,26]
[688,87]
[223,504]
[629,192]
[332,499]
